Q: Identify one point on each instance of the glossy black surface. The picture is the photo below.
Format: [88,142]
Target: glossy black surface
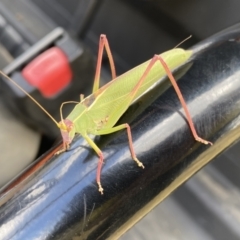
[61,199]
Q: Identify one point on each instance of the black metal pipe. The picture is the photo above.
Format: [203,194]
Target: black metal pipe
[58,197]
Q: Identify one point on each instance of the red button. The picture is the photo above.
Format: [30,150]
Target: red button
[49,72]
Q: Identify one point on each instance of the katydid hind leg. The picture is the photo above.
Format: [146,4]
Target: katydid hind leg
[177,90]
[103,42]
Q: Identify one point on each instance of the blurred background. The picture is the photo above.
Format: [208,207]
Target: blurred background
[136,30]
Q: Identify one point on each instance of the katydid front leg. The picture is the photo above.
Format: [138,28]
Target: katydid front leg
[66,142]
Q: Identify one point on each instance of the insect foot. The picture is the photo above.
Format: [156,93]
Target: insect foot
[203,141]
[60,151]
[100,189]
[138,162]
[64,149]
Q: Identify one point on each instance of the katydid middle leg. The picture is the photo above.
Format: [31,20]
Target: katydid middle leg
[100,154]
[100,161]
[116,129]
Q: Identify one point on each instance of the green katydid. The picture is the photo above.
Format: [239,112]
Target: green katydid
[98,113]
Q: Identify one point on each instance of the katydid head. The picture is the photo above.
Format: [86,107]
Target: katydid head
[66,126]
[67,131]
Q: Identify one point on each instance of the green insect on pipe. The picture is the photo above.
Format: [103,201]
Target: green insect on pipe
[98,113]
